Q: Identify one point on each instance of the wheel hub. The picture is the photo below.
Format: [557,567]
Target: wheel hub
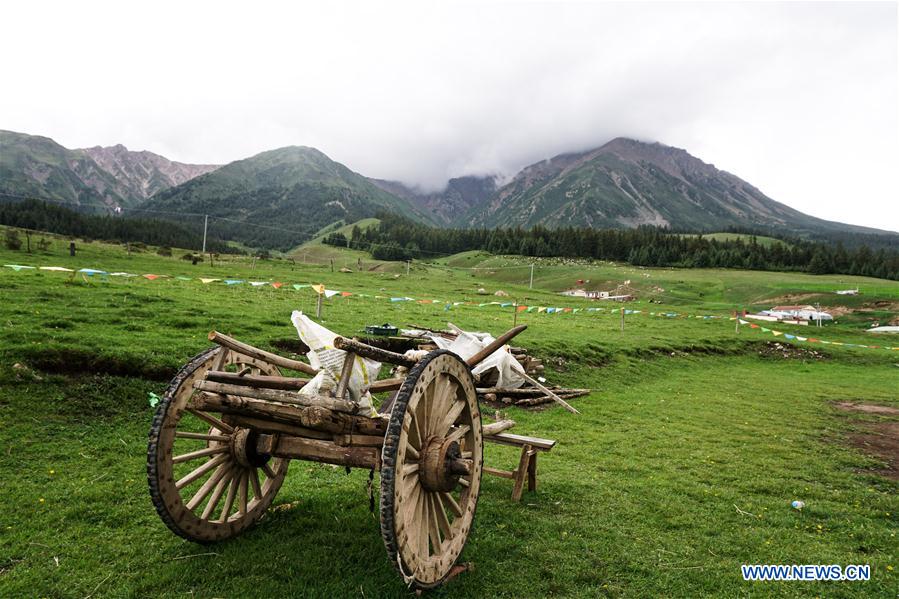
[439,466]
[243,448]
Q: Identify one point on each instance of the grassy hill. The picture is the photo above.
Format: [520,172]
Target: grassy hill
[680,468]
[760,239]
[281,198]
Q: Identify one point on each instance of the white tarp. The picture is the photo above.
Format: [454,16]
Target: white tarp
[468,344]
[329,362]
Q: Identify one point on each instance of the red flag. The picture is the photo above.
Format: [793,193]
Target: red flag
[521,308]
[277,285]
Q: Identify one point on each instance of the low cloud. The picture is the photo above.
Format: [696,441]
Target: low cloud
[799,99]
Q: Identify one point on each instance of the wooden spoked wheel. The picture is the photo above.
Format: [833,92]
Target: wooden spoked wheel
[431,469]
[206,479]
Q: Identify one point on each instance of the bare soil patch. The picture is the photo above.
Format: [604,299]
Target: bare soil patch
[880,440]
[866,408]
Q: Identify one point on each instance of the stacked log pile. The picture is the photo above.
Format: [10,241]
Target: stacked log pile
[526,397]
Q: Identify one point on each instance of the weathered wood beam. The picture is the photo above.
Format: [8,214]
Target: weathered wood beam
[262,382]
[494,428]
[314,417]
[260,354]
[371,352]
[320,451]
[386,385]
[263,425]
[279,395]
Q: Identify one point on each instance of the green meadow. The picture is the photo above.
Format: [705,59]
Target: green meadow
[681,466]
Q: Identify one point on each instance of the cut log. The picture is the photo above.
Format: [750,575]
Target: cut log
[270,426]
[495,345]
[320,451]
[278,395]
[386,385]
[542,399]
[261,382]
[260,354]
[372,353]
[314,417]
[555,397]
[495,428]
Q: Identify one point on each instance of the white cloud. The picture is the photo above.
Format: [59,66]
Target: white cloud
[799,99]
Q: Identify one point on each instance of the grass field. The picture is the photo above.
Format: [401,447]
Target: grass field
[681,467]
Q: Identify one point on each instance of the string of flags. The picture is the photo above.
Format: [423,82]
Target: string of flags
[329,293]
[792,337]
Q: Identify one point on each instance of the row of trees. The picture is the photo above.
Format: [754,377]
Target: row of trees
[43,216]
[396,238]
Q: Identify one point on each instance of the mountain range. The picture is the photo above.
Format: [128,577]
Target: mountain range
[281,197]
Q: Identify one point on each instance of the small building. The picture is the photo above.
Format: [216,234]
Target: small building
[796,314]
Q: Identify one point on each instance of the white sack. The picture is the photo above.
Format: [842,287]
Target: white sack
[329,362]
[468,344]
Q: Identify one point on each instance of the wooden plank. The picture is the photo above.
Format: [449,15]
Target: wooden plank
[519,440]
[260,354]
[521,473]
[498,472]
[532,471]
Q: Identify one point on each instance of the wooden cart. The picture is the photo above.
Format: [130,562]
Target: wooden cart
[230,422]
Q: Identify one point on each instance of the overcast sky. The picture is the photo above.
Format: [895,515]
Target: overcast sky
[799,99]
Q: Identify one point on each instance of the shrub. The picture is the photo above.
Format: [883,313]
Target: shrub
[12,240]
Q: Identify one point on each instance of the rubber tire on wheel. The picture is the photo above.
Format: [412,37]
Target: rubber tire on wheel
[166,498]
[399,529]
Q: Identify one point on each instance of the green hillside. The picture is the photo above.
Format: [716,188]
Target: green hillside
[289,194]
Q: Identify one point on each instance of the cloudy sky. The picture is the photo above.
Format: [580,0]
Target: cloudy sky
[799,99]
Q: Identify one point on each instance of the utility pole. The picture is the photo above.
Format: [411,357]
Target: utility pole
[622,320]
[515,314]
[737,321]
[531,284]
[408,262]
[205,226]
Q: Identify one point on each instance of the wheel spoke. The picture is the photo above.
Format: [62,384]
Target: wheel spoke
[444,389]
[207,487]
[458,433]
[467,455]
[242,494]
[216,495]
[254,479]
[433,533]
[464,482]
[268,471]
[442,520]
[411,452]
[229,499]
[413,434]
[183,482]
[211,420]
[452,503]
[409,469]
[202,436]
[423,525]
[451,416]
[200,453]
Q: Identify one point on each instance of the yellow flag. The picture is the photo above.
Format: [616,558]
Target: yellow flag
[319,288]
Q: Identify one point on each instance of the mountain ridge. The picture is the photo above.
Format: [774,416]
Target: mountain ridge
[34,165]
[626,183]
